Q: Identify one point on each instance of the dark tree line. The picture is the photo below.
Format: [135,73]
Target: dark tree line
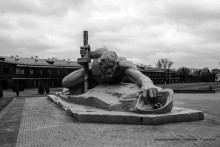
[190,74]
[196,75]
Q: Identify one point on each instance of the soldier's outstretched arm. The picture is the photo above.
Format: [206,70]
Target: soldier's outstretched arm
[74,78]
[138,78]
[144,82]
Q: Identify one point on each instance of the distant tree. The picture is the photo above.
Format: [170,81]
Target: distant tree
[169,64]
[205,75]
[184,74]
[192,71]
[215,71]
[164,63]
[195,74]
[191,74]
[215,74]
[205,71]
[158,64]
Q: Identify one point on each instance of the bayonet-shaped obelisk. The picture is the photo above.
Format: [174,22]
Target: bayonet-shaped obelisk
[85,60]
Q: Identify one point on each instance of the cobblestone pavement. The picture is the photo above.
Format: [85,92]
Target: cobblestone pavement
[39,122]
[10,122]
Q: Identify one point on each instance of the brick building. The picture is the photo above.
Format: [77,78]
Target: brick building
[159,76]
[31,72]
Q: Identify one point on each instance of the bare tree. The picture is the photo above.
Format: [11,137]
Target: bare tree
[164,63]
[159,64]
[169,64]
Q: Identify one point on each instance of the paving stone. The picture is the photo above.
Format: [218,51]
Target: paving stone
[10,122]
[44,124]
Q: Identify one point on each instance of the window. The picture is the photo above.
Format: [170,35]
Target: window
[19,71]
[49,72]
[40,72]
[31,71]
[22,71]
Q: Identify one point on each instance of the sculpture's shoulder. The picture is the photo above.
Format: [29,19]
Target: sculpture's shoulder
[101,50]
[125,64]
[97,53]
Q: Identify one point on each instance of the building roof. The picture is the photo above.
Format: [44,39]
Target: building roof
[38,62]
[146,68]
[143,67]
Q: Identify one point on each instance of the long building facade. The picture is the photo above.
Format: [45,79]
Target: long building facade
[32,72]
[159,76]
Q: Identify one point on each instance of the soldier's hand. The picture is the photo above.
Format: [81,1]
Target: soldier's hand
[149,94]
[84,49]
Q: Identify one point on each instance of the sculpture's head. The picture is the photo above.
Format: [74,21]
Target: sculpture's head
[108,63]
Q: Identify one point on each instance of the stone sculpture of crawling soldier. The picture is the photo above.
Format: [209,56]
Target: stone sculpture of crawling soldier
[108,68]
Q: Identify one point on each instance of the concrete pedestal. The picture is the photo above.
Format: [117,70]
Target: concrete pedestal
[88,114]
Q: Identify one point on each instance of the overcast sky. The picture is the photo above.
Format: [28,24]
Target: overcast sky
[186,32]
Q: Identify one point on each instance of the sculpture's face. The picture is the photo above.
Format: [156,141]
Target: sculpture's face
[109,68]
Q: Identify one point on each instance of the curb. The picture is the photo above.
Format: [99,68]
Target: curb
[5,104]
[197,91]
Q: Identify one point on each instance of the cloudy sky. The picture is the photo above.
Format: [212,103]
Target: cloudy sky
[185,31]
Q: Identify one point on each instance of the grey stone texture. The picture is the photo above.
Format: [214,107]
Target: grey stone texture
[87,114]
[121,97]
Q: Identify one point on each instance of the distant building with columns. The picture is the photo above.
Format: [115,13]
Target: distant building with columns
[158,75]
[31,72]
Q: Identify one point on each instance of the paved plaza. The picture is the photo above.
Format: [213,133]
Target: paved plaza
[36,121]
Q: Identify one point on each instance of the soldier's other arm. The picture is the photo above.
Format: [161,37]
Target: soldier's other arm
[74,78]
[77,77]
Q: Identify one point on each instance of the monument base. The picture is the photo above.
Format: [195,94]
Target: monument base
[122,97]
[88,114]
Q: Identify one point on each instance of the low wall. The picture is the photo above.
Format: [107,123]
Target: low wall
[197,91]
